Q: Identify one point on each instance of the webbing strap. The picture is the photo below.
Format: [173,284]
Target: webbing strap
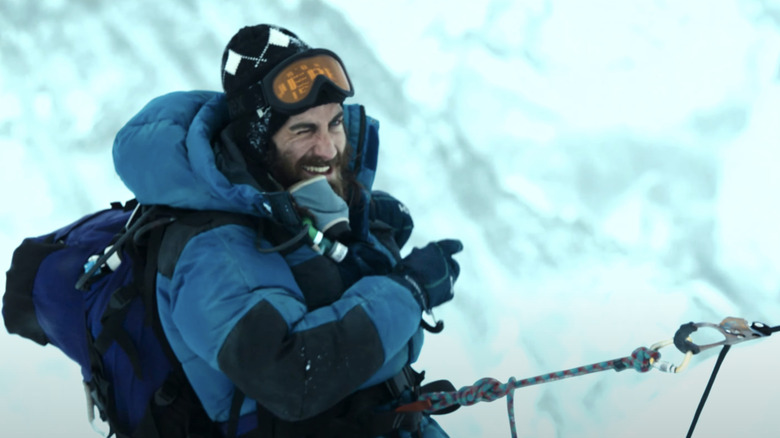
[113,329]
[235,413]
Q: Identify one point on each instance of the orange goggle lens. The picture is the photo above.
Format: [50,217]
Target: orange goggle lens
[296,81]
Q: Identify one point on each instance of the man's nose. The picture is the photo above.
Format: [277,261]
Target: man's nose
[324,146]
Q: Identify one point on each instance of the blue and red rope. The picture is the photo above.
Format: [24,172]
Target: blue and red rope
[489,389]
[734,330]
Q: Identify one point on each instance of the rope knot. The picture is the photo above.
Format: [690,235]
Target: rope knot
[484,389]
[643,359]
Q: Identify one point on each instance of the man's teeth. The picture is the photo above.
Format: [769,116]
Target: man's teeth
[316,169]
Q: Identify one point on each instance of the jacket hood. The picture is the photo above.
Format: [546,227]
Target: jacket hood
[164,154]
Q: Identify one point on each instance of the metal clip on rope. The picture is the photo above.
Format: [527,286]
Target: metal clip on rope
[666,366]
[734,331]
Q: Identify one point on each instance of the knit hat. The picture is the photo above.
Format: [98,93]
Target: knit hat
[249,56]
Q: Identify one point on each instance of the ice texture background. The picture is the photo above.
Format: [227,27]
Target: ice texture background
[611,167]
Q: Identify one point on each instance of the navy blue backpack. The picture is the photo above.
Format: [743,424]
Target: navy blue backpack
[89,290]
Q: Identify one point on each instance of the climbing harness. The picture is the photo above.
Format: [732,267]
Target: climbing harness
[734,330]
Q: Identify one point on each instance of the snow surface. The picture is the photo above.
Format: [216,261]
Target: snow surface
[609,165]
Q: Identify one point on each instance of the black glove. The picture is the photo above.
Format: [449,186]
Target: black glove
[430,273]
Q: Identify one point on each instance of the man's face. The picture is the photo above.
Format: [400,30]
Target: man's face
[310,144]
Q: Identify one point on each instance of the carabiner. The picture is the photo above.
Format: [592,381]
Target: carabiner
[665,365]
[734,331]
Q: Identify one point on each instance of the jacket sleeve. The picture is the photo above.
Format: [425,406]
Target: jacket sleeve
[241,311]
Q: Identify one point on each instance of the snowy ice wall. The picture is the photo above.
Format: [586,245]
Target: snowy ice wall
[609,165]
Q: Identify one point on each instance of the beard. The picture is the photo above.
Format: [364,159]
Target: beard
[288,172]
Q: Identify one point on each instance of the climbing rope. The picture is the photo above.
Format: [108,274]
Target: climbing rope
[642,360]
[489,389]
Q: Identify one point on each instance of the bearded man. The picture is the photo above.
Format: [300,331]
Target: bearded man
[306,322]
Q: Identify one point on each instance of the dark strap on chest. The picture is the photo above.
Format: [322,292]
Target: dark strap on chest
[190,223]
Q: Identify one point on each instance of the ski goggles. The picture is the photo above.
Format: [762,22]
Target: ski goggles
[297,82]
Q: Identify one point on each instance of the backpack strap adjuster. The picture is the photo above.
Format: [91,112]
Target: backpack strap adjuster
[122,297]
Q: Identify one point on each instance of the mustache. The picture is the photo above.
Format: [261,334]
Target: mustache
[319,163]
[338,161]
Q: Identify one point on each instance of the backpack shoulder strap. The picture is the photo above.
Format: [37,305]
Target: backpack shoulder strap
[189,224]
[177,389]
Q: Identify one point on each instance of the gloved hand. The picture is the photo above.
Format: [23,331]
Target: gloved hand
[329,211]
[430,273]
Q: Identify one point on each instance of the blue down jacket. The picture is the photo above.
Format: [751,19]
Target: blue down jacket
[236,316]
